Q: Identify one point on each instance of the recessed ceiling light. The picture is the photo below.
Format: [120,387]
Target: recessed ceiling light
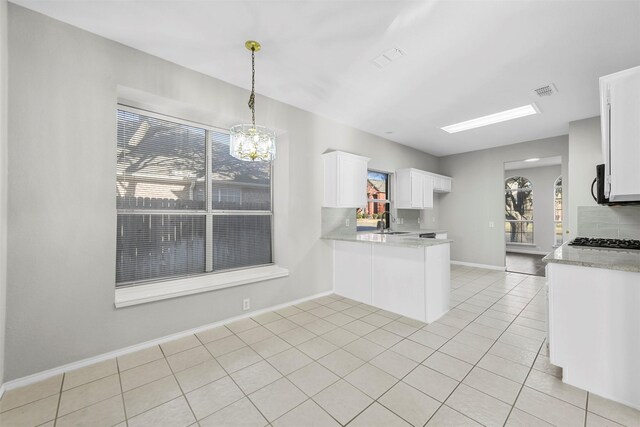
[389,132]
[502,116]
[533,159]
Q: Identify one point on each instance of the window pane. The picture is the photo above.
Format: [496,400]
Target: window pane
[376,208]
[238,185]
[161,164]
[518,231]
[241,241]
[158,246]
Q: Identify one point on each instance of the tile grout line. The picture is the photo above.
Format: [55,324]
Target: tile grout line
[487,351]
[420,364]
[55,419]
[522,388]
[124,407]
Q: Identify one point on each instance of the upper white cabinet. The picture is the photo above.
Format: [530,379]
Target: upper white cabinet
[345,180]
[415,188]
[620,123]
[441,184]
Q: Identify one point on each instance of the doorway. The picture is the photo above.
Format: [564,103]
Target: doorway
[533,212]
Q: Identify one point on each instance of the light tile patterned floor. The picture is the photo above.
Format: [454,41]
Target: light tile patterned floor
[332,362]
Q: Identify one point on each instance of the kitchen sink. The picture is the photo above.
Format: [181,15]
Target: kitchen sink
[393,232]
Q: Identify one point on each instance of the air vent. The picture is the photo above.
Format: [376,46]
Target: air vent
[387,57]
[547,90]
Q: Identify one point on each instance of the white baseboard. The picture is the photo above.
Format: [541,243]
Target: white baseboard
[40,376]
[487,266]
[527,251]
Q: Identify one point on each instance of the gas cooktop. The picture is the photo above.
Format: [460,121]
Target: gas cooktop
[606,243]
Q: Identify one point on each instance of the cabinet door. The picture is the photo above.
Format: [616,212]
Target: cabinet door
[427,191]
[417,189]
[624,132]
[352,181]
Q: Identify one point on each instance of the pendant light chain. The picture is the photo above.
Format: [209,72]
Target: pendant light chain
[249,142]
[252,98]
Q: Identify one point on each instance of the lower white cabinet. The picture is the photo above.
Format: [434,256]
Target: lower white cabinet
[399,280]
[594,329]
[352,263]
[410,281]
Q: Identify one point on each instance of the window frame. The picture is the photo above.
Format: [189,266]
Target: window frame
[532,220]
[386,202]
[555,223]
[209,213]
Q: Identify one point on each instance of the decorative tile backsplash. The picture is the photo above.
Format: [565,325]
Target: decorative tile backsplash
[613,222]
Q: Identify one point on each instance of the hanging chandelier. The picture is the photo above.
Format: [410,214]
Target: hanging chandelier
[248,141]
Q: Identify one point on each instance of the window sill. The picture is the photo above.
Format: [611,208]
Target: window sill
[522,244]
[142,294]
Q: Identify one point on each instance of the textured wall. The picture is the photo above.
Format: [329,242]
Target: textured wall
[64,88]
[478,197]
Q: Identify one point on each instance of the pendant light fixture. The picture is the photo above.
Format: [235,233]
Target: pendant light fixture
[248,141]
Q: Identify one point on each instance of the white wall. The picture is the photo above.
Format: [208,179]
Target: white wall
[477,197]
[62,218]
[3,179]
[585,152]
[543,180]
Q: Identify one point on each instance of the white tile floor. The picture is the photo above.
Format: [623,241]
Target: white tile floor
[332,362]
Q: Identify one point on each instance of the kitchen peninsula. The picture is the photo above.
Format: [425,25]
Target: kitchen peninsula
[401,273]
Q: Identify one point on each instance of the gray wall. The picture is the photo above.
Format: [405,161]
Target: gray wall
[543,180]
[3,178]
[62,101]
[585,152]
[478,197]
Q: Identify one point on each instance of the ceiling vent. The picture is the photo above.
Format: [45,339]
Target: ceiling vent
[547,90]
[387,57]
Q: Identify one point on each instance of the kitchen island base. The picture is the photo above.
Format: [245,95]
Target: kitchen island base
[411,281]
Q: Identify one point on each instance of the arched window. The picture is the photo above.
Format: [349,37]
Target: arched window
[518,197]
[557,211]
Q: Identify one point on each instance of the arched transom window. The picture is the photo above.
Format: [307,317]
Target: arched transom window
[518,197]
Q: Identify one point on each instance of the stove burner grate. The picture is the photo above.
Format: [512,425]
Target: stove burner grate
[606,243]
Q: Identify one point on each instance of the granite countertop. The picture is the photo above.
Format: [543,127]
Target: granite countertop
[611,259]
[410,240]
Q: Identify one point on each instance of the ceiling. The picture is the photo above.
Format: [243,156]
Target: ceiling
[542,162]
[463,59]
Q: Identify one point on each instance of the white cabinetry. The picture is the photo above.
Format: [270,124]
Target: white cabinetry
[352,265]
[412,281]
[414,189]
[620,124]
[594,325]
[441,184]
[345,180]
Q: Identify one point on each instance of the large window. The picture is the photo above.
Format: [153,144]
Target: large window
[518,225]
[377,208]
[184,205]
[557,211]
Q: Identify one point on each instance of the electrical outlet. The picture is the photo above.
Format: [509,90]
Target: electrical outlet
[491,224]
[246,304]
[346,223]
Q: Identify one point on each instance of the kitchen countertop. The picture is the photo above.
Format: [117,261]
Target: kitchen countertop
[611,259]
[410,240]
